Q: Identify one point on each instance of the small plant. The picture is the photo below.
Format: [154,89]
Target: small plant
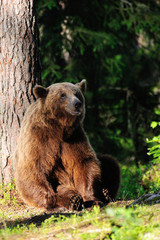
[8,193]
[151,179]
[154,145]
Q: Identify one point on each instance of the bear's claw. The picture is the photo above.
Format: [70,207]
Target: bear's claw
[105,193]
[76,202]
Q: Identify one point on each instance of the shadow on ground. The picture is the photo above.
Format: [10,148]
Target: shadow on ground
[37,220]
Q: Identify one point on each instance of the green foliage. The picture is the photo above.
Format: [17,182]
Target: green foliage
[131,186]
[134,228]
[154,143]
[151,179]
[47,4]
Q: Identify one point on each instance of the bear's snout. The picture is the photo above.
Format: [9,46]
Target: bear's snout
[74,106]
[77,104]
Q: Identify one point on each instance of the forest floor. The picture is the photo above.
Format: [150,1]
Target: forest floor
[115,221]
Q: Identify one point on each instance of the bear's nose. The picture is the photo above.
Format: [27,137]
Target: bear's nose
[77,104]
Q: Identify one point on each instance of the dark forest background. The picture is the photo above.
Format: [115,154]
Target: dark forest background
[115,46]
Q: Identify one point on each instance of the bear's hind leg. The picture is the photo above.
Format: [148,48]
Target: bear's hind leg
[111,176]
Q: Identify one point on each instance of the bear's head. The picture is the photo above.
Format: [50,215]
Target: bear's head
[62,101]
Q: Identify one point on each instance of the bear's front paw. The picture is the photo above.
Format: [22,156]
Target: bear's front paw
[76,202]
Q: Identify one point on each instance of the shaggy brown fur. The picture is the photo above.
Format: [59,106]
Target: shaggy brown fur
[55,165]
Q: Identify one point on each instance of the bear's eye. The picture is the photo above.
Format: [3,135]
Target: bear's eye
[63,96]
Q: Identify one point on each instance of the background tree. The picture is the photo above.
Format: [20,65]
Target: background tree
[19,71]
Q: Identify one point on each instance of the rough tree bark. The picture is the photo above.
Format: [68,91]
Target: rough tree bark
[19,72]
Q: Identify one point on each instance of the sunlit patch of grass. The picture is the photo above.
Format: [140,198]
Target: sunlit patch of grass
[143,225]
[108,223]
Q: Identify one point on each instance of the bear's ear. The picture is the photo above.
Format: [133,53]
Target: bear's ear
[82,85]
[40,92]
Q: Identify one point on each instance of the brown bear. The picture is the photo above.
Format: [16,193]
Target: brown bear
[55,166]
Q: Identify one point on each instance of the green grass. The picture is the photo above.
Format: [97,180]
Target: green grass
[111,222]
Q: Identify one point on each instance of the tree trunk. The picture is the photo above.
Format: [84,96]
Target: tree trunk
[19,72]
